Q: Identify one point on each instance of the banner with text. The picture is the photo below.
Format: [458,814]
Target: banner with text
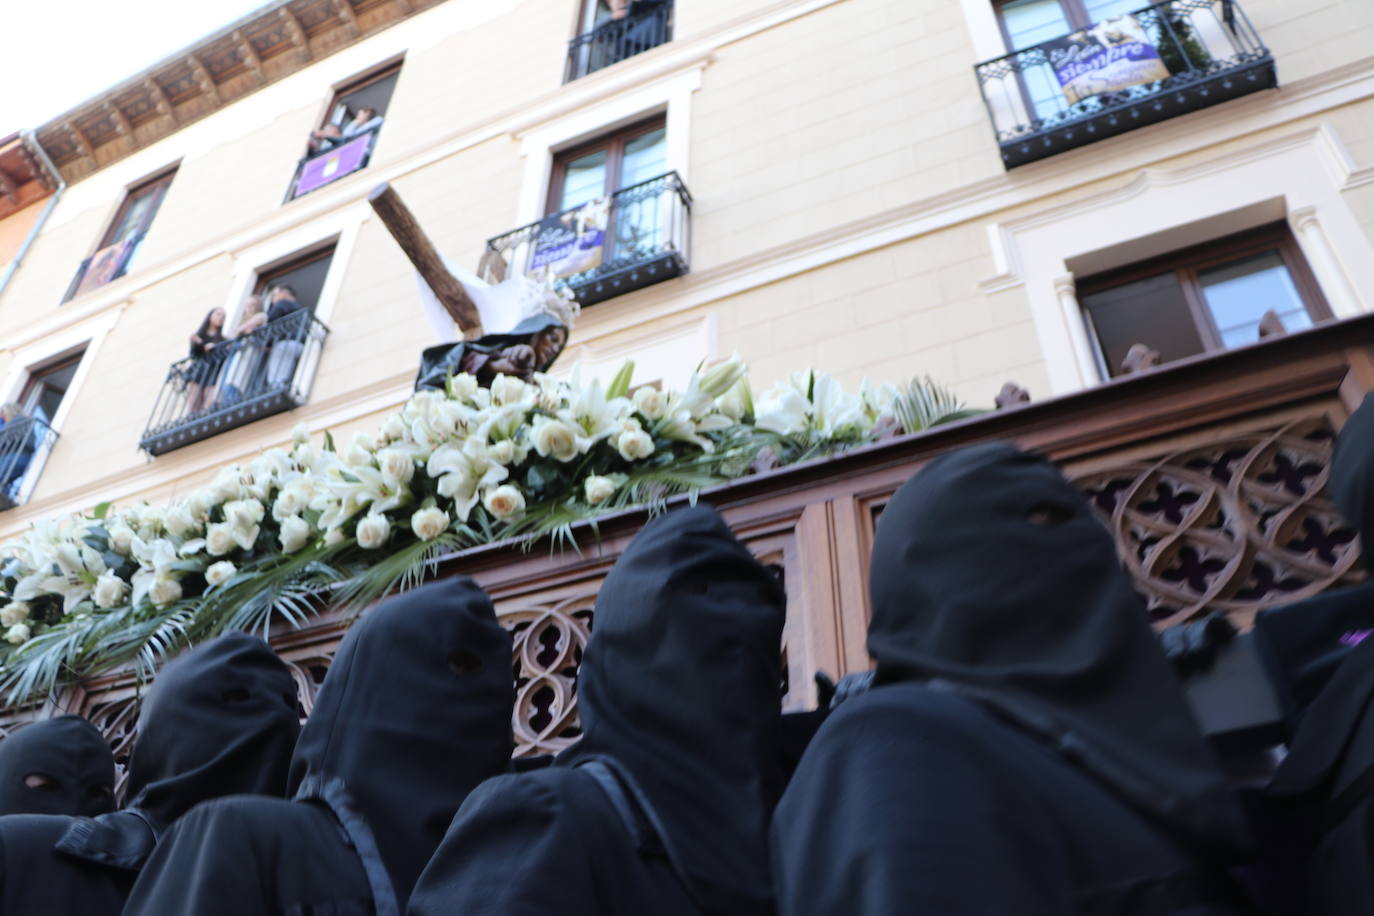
[1114,54]
[571,242]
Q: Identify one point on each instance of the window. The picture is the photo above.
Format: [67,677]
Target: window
[305,274]
[609,31]
[47,386]
[343,142]
[122,239]
[1207,298]
[26,433]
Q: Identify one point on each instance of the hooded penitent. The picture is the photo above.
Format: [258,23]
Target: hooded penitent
[57,766]
[664,804]
[679,694]
[414,713]
[220,719]
[991,575]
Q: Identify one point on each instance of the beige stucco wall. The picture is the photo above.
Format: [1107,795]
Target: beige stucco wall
[851,211]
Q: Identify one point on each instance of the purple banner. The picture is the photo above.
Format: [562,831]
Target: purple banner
[1114,54]
[340,161]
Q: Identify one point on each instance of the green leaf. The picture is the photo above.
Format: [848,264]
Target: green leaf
[101,510]
[620,385]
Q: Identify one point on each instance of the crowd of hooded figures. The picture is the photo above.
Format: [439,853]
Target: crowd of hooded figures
[1022,747]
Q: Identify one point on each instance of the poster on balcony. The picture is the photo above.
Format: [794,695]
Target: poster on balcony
[105,265]
[571,242]
[1114,54]
[342,160]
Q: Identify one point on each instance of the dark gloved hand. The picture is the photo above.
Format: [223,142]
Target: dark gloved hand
[1192,647]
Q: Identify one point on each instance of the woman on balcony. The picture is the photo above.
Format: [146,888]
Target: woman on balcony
[203,371]
[245,353]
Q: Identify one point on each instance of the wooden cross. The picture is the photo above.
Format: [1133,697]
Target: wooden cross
[400,222]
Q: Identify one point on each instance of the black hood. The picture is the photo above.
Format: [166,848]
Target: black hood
[414,713]
[219,720]
[75,759]
[679,692]
[1352,475]
[991,574]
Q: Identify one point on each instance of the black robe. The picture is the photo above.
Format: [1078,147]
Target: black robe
[441,361]
[219,719]
[1328,775]
[1025,748]
[74,758]
[415,712]
[663,806]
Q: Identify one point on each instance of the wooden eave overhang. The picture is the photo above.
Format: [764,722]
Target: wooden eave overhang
[268,45]
[23,179]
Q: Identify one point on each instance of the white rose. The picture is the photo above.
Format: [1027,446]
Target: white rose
[650,402]
[429,523]
[598,489]
[19,633]
[294,534]
[397,467]
[300,434]
[634,446]
[220,572]
[554,438]
[288,503]
[463,387]
[14,612]
[394,428]
[373,531]
[333,536]
[219,539]
[227,485]
[199,503]
[109,591]
[179,522]
[165,590]
[502,452]
[508,390]
[121,538]
[504,501]
[243,513]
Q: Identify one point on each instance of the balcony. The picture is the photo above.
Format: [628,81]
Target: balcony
[260,374]
[316,170]
[648,25]
[606,247]
[1173,58]
[24,445]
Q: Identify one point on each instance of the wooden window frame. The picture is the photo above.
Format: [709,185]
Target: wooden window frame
[157,183]
[267,277]
[36,373]
[1187,263]
[372,75]
[613,142]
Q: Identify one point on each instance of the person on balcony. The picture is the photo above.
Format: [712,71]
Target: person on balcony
[17,447]
[219,720]
[663,805]
[286,329]
[245,354]
[61,765]
[414,713]
[203,371]
[1025,747]
[332,135]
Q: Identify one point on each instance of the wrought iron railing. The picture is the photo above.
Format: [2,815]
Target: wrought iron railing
[643,239]
[241,380]
[1095,84]
[648,25]
[24,443]
[109,265]
[343,158]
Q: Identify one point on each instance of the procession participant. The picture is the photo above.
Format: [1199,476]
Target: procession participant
[1025,748]
[415,712]
[663,805]
[220,719]
[57,766]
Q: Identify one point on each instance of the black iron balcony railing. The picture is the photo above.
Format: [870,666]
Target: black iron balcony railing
[346,156]
[1161,61]
[24,442]
[241,380]
[105,266]
[648,25]
[637,237]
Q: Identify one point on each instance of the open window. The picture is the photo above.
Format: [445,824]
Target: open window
[1210,297]
[121,240]
[26,433]
[610,31]
[342,143]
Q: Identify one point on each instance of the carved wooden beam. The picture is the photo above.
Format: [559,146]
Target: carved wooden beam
[81,142]
[349,17]
[161,102]
[400,222]
[9,188]
[297,32]
[250,56]
[405,6]
[122,125]
[204,79]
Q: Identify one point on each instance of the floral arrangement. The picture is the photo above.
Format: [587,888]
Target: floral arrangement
[313,525]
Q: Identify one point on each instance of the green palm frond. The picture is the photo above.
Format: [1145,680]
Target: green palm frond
[923,403]
[400,570]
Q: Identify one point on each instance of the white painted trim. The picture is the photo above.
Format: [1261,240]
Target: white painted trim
[983,29]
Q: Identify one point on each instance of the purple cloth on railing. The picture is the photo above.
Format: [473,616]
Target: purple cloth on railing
[337,162]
